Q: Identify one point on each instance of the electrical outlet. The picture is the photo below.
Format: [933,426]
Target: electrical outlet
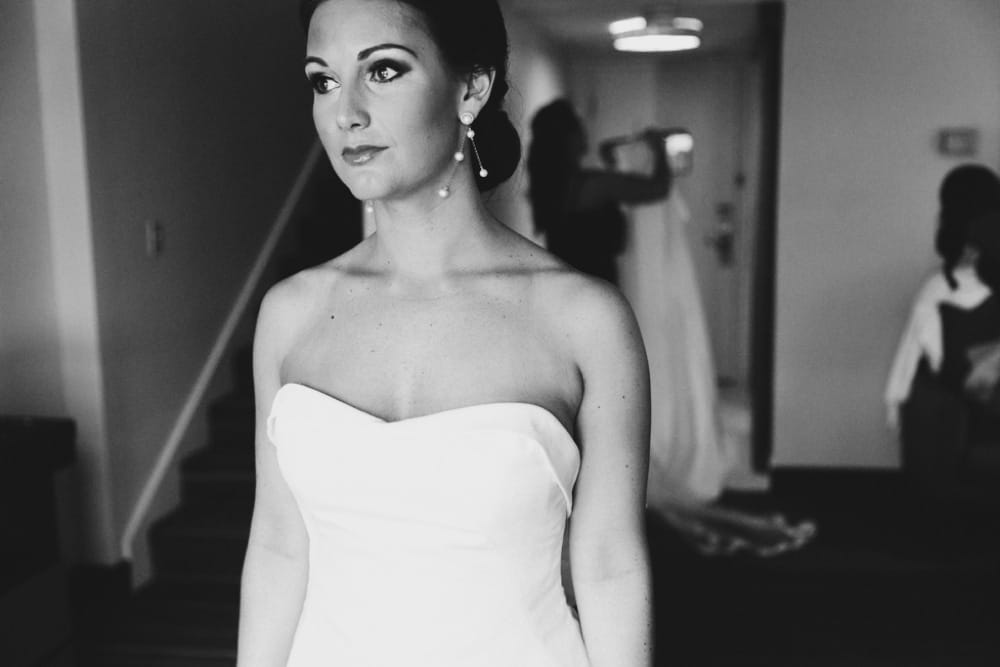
[155,237]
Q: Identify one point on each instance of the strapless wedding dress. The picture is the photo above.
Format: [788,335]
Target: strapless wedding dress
[434,540]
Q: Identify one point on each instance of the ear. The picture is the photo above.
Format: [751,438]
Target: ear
[476,91]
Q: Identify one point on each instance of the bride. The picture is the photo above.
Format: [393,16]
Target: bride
[433,405]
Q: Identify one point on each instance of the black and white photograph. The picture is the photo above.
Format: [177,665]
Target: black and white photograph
[500,333]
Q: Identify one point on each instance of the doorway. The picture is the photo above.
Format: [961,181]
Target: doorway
[728,100]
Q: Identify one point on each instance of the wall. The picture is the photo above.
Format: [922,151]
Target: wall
[49,356]
[29,346]
[197,116]
[865,87]
[537,77]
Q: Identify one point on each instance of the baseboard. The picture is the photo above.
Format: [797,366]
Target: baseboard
[824,475]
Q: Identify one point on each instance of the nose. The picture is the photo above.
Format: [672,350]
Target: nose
[352,112]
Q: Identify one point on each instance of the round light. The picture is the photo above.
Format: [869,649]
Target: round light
[650,43]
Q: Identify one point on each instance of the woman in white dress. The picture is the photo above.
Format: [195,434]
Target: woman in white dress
[438,404]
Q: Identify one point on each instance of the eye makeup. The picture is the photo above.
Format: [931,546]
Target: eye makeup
[396,69]
[321,83]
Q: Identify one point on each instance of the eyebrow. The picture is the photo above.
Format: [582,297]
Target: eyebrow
[372,49]
[364,53]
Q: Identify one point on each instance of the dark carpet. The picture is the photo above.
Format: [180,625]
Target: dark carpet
[891,578]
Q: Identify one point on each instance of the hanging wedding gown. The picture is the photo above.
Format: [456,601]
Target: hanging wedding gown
[689,457]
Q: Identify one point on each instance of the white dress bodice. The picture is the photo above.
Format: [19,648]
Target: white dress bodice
[434,540]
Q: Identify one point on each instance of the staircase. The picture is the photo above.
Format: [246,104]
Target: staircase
[187,614]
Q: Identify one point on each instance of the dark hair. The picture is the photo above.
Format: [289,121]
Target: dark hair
[984,237]
[472,37]
[967,192]
[553,161]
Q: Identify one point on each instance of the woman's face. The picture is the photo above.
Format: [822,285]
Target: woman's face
[385,103]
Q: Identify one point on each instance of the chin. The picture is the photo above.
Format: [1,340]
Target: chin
[364,187]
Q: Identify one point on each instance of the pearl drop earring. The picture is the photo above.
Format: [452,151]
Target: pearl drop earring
[467,119]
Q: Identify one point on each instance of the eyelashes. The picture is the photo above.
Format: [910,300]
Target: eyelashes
[381,71]
[321,83]
[384,71]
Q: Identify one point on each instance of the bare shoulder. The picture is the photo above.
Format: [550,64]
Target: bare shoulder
[290,303]
[287,301]
[586,314]
[593,315]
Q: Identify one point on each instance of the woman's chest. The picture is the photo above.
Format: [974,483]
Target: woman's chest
[403,357]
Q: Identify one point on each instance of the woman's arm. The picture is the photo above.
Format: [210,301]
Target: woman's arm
[599,187]
[276,566]
[608,551]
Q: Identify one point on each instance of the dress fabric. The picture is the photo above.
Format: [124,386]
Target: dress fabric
[689,458]
[434,540]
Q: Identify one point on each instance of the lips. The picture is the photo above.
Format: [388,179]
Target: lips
[358,155]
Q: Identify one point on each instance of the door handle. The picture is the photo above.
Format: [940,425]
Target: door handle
[722,240]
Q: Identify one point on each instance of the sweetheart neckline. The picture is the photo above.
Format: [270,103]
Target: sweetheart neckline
[462,408]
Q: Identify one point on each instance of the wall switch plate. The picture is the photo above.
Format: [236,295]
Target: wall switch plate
[155,238]
[958,141]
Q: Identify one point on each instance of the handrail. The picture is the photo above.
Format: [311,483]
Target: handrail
[222,342]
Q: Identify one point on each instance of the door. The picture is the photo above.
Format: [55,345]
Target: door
[718,99]
[713,98]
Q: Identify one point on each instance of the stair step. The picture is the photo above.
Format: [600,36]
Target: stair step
[201,560]
[210,520]
[236,492]
[219,474]
[199,622]
[223,593]
[117,656]
[243,370]
[207,541]
[236,405]
[168,623]
[219,460]
[231,420]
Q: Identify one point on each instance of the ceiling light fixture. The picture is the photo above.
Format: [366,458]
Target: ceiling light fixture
[657,33]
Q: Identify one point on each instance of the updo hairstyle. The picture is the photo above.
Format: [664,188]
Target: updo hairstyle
[968,192]
[472,37]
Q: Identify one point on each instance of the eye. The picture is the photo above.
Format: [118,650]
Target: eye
[385,71]
[321,83]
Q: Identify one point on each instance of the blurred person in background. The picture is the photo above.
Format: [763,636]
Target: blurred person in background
[968,193]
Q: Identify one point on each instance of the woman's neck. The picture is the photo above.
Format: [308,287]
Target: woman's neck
[426,241]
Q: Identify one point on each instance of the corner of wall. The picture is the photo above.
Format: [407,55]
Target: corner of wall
[73,264]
